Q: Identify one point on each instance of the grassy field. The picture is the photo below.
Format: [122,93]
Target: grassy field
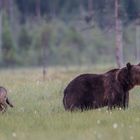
[39,114]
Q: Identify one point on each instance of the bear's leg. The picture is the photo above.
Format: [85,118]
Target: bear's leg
[75,107]
[111,101]
[124,101]
[1,108]
[127,99]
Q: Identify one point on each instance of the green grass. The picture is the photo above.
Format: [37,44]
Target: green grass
[39,114]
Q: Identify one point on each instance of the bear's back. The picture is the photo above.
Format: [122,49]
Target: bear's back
[87,81]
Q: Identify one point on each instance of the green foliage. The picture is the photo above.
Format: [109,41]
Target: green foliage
[62,45]
[8,48]
[25,39]
[58,36]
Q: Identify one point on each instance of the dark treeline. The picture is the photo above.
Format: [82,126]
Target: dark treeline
[60,29]
[130,9]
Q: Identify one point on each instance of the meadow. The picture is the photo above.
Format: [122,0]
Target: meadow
[39,113]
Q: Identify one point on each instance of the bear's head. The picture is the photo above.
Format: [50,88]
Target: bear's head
[129,76]
[134,71]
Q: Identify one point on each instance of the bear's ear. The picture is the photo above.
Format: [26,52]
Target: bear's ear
[128,65]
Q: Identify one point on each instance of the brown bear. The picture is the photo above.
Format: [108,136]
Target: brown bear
[91,91]
[4,101]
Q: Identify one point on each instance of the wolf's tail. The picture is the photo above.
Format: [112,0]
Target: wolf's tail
[9,103]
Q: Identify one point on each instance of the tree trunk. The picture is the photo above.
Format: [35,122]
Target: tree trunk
[0,30]
[38,14]
[13,21]
[5,6]
[44,62]
[119,33]
[81,8]
[45,43]
[138,42]
[53,10]
[90,7]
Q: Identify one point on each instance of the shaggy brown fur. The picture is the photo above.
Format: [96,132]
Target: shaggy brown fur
[4,101]
[90,91]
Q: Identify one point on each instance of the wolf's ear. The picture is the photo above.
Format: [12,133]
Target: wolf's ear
[128,65]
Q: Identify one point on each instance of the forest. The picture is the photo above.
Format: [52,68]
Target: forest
[66,32]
